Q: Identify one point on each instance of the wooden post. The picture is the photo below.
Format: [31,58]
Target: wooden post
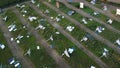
[57,4]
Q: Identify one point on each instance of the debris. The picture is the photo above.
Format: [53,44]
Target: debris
[11,39]
[57,19]
[71,12]
[11,61]
[92,67]
[33,1]
[99,29]
[51,38]
[47,11]
[117,11]
[38,5]
[66,53]
[23,15]
[118,41]
[84,21]
[40,27]
[81,5]
[96,13]
[19,37]
[110,21]
[70,28]
[24,26]
[22,6]
[17,64]
[23,11]
[63,16]
[93,2]
[12,28]
[57,32]
[105,53]
[28,52]
[18,41]
[49,0]
[38,47]
[2,46]
[31,18]
[28,36]
[84,39]
[70,50]
[17,5]
[5,18]
[106,50]
[105,8]
[51,18]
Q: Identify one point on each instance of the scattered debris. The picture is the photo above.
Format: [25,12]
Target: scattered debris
[68,52]
[84,21]
[57,32]
[38,47]
[18,41]
[110,21]
[28,36]
[5,18]
[38,5]
[40,27]
[12,27]
[33,1]
[71,12]
[99,29]
[92,67]
[105,53]
[118,41]
[96,13]
[2,46]
[84,39]
[117,11]
[70,28]
[57,19]
[105,8]
[31,18]
[28,52]
[47,11]
[11,39]
[93,2]
[81,5]
[14,62]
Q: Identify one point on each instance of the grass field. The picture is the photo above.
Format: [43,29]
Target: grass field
[91,24]
[61,42]
[96,47]
[39,57]
[100,16]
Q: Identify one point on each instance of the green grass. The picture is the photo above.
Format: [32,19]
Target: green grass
[99,16]
[95,46]
[5,54]
[39,57]
[61,42]
[92,24]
